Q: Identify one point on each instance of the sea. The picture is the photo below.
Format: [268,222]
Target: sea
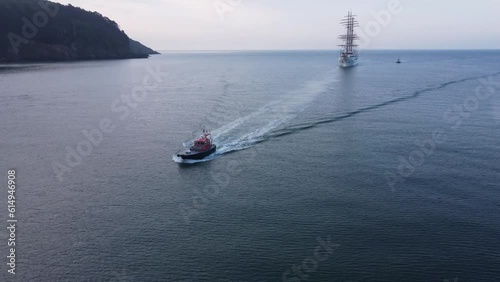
[381,172]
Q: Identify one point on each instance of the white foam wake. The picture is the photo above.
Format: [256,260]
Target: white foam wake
[253,128]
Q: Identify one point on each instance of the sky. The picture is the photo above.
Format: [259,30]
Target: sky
[303,24]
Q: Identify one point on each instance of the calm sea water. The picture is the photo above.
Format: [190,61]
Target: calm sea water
[383,172]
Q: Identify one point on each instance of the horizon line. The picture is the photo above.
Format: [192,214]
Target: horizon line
[257,50]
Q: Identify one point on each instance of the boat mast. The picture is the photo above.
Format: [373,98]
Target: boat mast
[350,23]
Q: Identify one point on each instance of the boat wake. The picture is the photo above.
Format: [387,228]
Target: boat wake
[334,118]
[271,120]
[257,126]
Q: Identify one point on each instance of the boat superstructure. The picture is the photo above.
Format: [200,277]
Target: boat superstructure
[202,147]
[348,53]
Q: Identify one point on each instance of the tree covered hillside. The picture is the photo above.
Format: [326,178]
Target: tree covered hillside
[34,30]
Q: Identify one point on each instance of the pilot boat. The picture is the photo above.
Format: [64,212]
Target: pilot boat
[201,148]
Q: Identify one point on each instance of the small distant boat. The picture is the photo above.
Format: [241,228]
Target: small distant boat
[349,54]
[201,148]
[398,61]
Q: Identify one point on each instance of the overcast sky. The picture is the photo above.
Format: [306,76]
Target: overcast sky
[303,24]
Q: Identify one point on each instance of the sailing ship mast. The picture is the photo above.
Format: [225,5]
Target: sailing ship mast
[350,22]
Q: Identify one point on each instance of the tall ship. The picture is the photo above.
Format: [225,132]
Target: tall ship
[348,53]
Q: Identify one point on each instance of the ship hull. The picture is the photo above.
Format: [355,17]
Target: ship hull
[347,62]
[189,155]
